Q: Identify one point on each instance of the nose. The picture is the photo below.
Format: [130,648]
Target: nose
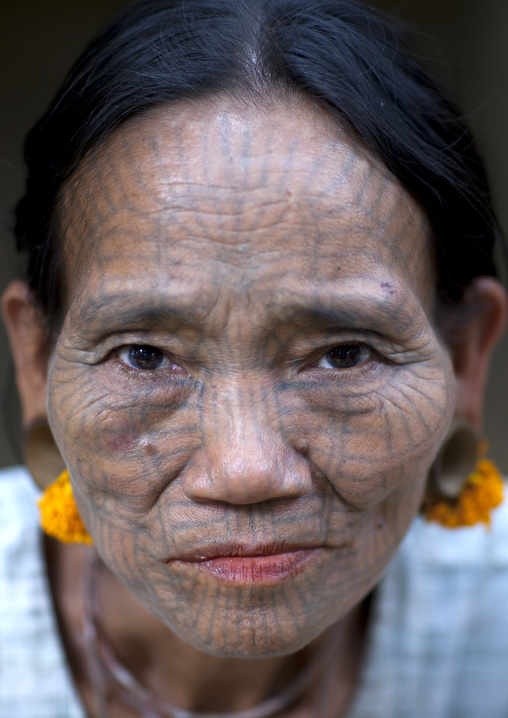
[245,458]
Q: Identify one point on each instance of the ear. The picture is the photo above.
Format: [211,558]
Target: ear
[30,346]
[479,326]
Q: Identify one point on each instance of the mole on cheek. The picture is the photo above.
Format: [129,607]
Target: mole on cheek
[148,447]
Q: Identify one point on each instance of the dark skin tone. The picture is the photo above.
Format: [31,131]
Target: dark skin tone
[248,389]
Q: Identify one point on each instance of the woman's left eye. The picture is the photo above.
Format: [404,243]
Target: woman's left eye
[345,356]
[143,357]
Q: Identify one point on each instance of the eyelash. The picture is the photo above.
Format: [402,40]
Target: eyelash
[356,354]
[124,354]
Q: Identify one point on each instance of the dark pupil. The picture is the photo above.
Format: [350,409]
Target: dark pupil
[345,356]
[145,357]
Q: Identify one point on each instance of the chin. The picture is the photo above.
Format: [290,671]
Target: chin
[247,641]
[239,631]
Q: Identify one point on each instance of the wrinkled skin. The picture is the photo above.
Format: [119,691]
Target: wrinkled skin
[245,245]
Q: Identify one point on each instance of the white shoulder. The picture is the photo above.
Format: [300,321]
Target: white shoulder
[34,677]
[18,510]
[432,544]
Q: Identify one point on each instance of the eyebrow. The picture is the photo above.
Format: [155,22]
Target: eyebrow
[372,313]
[338,310]
[372,316]
[131,309]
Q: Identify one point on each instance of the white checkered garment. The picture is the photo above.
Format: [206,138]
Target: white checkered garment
[438,639]
[34,679]
[438,645]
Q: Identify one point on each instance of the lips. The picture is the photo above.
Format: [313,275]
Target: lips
[247,565]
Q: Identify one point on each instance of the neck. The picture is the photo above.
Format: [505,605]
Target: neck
[176,672]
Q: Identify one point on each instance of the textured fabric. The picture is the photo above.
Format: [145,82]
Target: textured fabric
[34,678]
[438,639]
[438,645]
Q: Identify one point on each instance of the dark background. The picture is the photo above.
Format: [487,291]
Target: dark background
[39,39]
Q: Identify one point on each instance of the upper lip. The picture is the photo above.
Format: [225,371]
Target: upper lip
[223,549]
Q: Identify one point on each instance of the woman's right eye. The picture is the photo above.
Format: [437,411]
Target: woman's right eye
[143,357]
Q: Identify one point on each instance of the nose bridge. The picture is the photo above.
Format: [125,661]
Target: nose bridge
[246,458]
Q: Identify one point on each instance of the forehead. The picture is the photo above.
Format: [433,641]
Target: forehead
[218,191]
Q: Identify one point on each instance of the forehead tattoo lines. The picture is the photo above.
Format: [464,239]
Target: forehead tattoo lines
[181,204]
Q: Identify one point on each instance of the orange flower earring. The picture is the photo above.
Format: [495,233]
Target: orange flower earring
[59,514]
[464,486]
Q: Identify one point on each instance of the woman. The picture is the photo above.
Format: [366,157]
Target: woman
[259,310]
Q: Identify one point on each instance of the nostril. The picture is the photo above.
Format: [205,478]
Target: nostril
[247,477]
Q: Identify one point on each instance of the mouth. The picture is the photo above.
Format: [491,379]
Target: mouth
[242,565]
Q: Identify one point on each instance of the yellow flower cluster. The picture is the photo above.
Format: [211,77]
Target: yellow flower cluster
[59,514]
[482,492]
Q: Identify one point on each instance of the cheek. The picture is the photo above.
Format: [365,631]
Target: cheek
[122,439]
[375,438]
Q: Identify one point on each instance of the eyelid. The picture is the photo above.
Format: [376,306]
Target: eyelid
[366,349]
[385,349]
[109,346]
[168,360]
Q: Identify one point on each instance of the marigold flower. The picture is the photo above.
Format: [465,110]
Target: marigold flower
[482,492]
[59,514]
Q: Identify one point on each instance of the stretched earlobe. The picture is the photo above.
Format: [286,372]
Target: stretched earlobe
[41,454]
[455,460]
[464,486]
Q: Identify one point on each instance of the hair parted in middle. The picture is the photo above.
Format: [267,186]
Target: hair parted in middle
[339,53]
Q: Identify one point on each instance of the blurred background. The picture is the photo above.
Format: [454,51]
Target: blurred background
[39,41]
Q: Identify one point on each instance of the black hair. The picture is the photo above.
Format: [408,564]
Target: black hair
[342,54]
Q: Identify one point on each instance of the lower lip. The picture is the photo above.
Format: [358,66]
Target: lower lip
[267,569]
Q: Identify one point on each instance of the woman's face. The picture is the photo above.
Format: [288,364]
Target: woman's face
[248,388]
